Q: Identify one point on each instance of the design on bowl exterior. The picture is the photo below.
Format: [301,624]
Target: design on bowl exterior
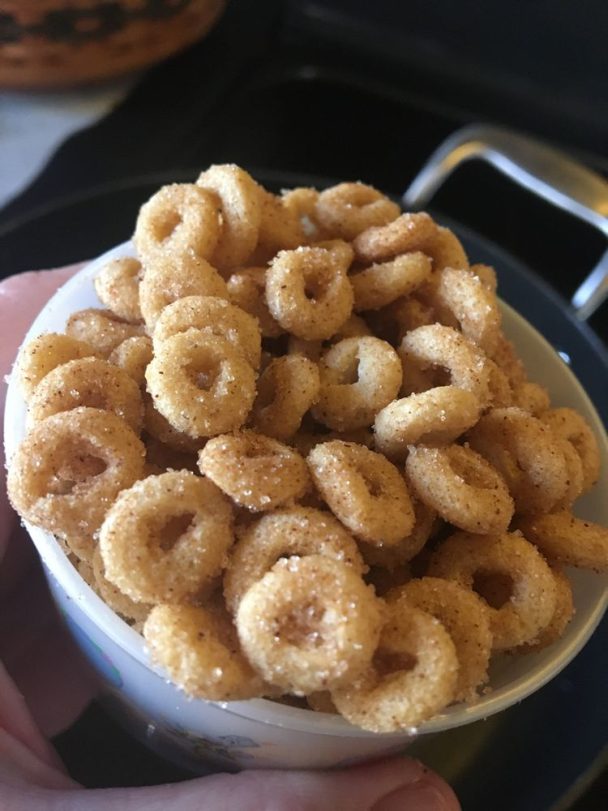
[184,729]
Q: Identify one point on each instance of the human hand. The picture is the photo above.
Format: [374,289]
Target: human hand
[44,685]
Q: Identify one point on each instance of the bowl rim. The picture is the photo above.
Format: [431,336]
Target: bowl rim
[264,710]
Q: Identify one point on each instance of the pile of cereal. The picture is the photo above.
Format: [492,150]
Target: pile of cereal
[299,454]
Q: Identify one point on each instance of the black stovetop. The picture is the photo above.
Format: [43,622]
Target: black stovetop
[330,90]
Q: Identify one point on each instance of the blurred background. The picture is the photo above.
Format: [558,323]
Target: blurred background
[101,102]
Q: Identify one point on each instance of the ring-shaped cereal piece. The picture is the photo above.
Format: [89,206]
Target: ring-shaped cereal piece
[363,490]
[288,532]
[119,603]
[70,467]
[280,226]
[384,282]
[437,416]
[166,282]
[349,208]
[501,394]
[309,624]
[469,301]
[247,289]
[471,559]
[446,251]
[201,383]
[215,316]
[91,382]
[569,424]
[575,475]
[302,202]
[392,322]
[562,615]
[240,202]
[287,388]
[133,357]
[409,232]
[178,222]
[465,617]
[524,451]
[487,274]
[166,538]
[308,292]
[199,649]
[567,539]
[117,287]
[101,330]
[256,471]
[462,486]
[506,358]
[412,677]
[41,355]
[160,429]
[395,557]
[531,397]
[359,376]
[438,346]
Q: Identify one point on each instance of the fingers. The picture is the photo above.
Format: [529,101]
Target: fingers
[388,785]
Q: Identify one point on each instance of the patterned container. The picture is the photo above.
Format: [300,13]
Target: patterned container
[46,43]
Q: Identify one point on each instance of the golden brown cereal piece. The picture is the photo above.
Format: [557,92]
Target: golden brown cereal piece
[564,611]
[465,617]
[179,223]
[434,417]
[117,287]
[531,397]
[347,209]
[201,384]
[506,358]
[412,676]
[161,429]
[308,292]
[91,382]
[214,316]
[69,469]
[569,424]
[287,388]
[567,539]
[575,474]
[394,557]
[409,232]
[473,560]
[446,251]
[438,346]
[199,649]
[462,486]
[257,472]
[382,283]
[487,275]
[166,538]
[100,329]
[309,624]
[363,490]
[247,289]
[405,314]
[284,533]
[41,355]
[166,282]
[240,204]
[524,451]
[133,357]
[501,394]
[113,596]
[464,296]
[302,202]
[359,376]
[280,226]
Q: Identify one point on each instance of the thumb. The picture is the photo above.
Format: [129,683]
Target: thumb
[398,784]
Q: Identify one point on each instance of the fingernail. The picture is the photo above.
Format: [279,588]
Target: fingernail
[421,796]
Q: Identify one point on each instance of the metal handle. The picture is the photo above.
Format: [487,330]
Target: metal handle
[545,171]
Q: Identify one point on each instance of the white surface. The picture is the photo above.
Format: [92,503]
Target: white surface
[321,739]
[34,124]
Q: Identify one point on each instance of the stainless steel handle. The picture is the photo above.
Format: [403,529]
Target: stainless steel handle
[541,169]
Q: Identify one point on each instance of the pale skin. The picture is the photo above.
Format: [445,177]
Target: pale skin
[44,687]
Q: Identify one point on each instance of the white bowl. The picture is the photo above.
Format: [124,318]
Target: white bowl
[261,733]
